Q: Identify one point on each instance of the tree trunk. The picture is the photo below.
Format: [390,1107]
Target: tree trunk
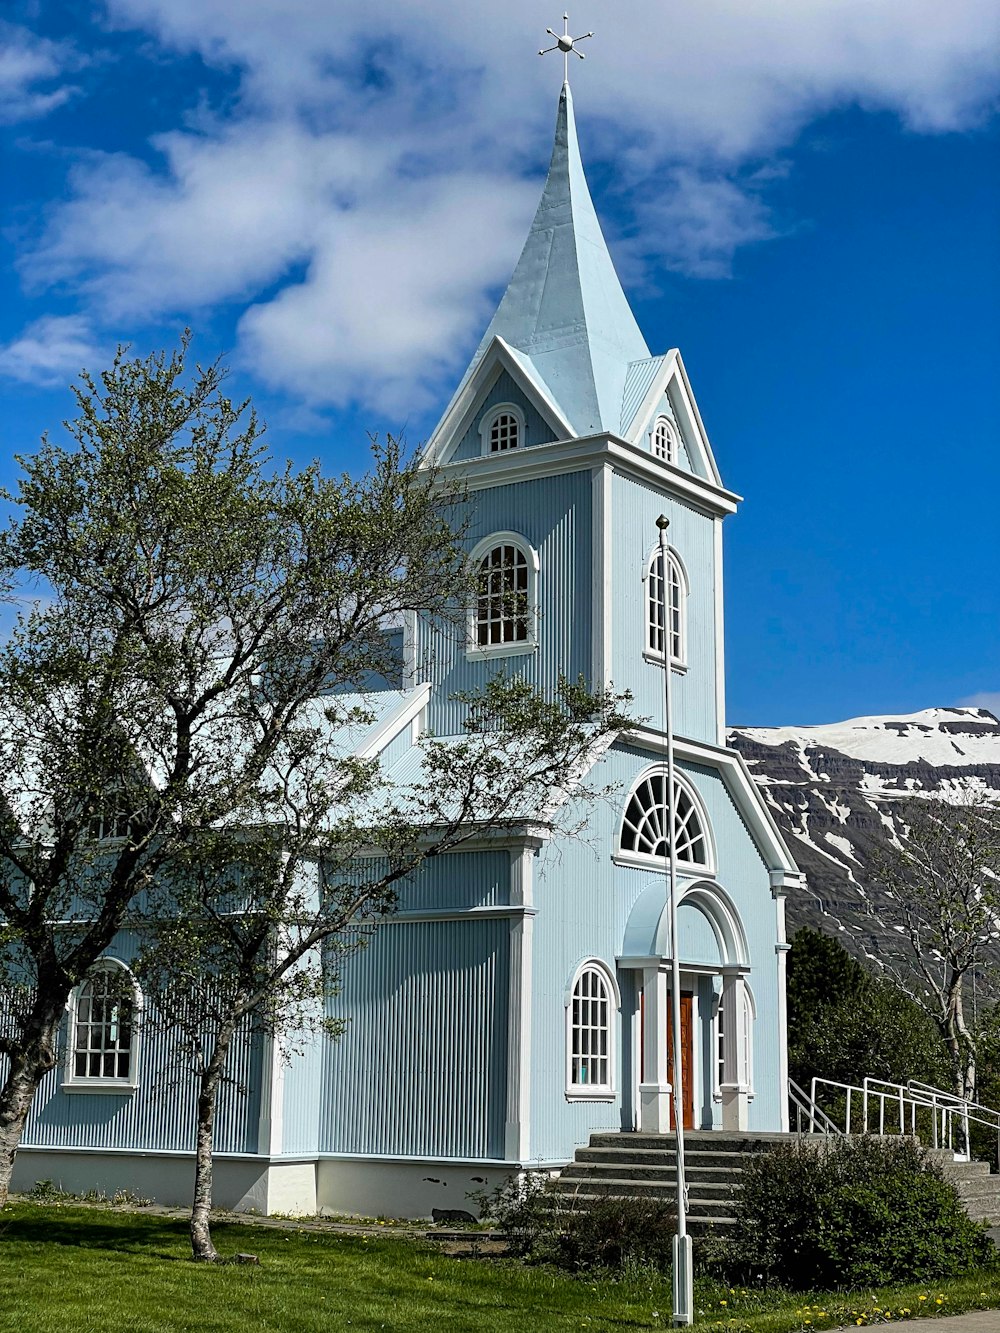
[208,1094]
[28,1066]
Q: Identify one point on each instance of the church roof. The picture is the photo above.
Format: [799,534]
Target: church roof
[564,308]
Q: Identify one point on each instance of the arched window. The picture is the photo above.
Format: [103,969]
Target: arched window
[664,440]
[102,1044]
[666,608]
[503,619]
[590,1051]
[502,429]
[645,825]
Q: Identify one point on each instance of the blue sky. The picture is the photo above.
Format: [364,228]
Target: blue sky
[803,197]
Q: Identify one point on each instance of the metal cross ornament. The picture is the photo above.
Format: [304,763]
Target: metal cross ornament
[566,44]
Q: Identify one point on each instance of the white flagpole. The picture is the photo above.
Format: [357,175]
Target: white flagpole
[683,1284]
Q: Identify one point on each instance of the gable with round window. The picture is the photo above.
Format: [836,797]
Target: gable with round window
[663,440]
[502,429]
[643,839]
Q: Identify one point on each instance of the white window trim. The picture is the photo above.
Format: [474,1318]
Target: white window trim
[750,1018]
[678,663]
[486,425]
[642,861]
[476,651]
[577,1092]
[673,440]
[72,1082]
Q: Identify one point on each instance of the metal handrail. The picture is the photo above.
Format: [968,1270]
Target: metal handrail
[901,1103]
[804,1106]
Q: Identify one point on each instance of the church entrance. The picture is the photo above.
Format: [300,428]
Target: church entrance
[687,1051]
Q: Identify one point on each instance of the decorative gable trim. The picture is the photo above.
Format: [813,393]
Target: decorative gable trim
[671,379]
[458,415]
[733,770]
[390,727]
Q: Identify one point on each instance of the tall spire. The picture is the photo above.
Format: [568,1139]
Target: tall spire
[564,307]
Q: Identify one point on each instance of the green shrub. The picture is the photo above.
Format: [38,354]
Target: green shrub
[581,1235]
[848,1213]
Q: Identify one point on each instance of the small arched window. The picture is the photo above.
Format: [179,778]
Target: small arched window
[590,1033]
[645,825]
[102,1044]
[664,440]
[666,608]
[502,429]
[506,571]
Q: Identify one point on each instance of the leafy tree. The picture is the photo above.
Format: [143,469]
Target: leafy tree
[257,925]
[845,1024]
[160,695]
[944,874]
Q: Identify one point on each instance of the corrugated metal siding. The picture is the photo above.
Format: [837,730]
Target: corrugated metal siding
[160,1113]
[584,901]
[421,1069]
[554,515]
[638,378]
[301,1092]
[505,390]
[635,507]
[451,882]
[665,408]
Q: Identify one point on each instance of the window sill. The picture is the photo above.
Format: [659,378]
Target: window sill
[598,1095]
[475,653]
[106,1087]
[658,863]
[656,659]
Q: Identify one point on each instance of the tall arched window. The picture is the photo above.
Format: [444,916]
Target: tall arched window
[645,824]
[502,429]
[102,1045]
[590,1051]
[503,620]
[666,608]
[664,440]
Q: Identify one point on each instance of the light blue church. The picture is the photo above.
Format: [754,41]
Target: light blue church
[518,1000]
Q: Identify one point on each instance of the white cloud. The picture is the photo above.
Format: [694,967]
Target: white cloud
[26,62]
[50,351]
[988,699]
[368,190]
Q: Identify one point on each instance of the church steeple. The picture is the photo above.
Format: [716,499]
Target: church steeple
[564,308]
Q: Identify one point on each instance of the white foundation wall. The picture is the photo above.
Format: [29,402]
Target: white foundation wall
[243,1184]
[372,1188]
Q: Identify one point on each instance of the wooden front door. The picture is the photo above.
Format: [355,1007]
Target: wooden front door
[687,1056]
[687,1052]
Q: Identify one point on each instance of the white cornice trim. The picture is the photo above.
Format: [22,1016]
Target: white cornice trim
[547,460]
[740,785]
[390,727]
[455,420]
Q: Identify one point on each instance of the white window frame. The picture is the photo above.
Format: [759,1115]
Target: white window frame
[593,1092]
[749,1019]
[486,427]
[519,647]
[647,861]
[678,661]
[73,1082]
[666,426]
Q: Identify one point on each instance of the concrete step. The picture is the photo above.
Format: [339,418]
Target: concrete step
[708,1182]
[965,1170]
[978,1187]
[698,1220]
[639,1189]
[694,1140]
[692,1156]
[665,1185]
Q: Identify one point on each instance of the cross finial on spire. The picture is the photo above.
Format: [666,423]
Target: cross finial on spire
[566,44]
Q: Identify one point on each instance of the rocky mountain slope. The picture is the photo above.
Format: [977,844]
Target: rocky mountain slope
[835,791]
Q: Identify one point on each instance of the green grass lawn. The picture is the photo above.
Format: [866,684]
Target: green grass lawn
[89,1270]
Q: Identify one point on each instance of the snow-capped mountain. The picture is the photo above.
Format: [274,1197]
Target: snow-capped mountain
[834,791]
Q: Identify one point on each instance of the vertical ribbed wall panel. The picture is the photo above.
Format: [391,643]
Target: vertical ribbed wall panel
[553,514]
[421,1069]
[635,508]
[505,390]
[160,1112]
[450,882]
